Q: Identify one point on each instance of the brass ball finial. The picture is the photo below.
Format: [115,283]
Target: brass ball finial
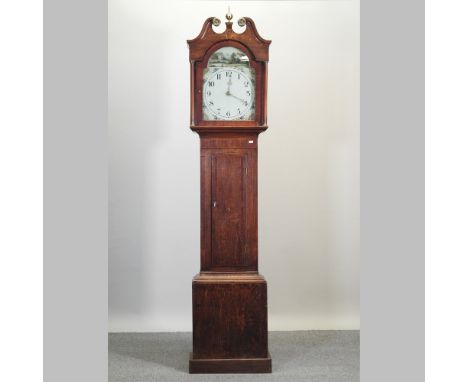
[229,15]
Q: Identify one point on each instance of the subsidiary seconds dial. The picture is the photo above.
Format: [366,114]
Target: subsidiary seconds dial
[228,94]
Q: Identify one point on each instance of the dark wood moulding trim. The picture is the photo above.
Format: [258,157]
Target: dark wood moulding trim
[216,277]
[231,365]
[228,129]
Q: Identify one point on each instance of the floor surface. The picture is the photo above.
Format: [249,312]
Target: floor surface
[318,356]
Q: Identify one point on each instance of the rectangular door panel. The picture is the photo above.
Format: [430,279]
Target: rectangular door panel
[228,210]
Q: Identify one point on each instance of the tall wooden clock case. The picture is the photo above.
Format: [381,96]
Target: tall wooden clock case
[229,111]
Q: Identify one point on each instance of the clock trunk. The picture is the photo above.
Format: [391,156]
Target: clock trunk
[229,203]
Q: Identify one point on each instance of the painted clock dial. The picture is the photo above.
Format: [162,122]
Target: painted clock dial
[228,86]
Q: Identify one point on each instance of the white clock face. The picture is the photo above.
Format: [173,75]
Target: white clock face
[228,94]
[229,86]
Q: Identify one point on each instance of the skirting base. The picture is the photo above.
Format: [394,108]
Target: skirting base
[229,365]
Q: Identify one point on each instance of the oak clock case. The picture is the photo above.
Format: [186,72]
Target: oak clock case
[228,111]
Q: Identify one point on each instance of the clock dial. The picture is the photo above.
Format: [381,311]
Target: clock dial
[228,94]
[228,86]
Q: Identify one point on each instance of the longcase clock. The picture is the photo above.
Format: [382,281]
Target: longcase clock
[228,111]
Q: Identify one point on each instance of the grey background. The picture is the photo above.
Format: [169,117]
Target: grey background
[75,191]
[75,196]
[392,191]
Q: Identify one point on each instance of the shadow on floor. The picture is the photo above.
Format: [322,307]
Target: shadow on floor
[169,350]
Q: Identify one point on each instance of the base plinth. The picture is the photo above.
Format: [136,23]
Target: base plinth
[229,365]
[230,331]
